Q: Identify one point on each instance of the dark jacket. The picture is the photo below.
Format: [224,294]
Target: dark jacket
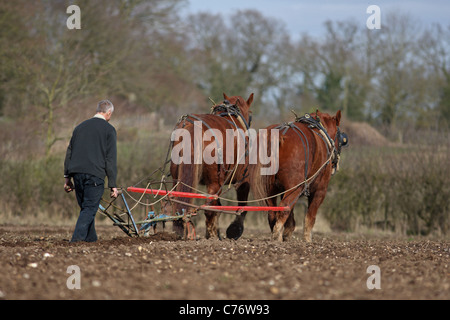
[93,149]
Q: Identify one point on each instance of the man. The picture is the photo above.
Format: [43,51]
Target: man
[91,155]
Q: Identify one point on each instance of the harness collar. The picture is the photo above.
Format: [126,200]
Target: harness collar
[340,140]
[316,123]
[228,109]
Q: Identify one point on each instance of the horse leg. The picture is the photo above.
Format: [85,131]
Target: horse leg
[289,226]
[212,218]
[314,202]
[236,228]
[272,215]
[212,222]
[279,231]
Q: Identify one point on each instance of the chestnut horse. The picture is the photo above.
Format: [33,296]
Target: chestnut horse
[204,160]
[309,151]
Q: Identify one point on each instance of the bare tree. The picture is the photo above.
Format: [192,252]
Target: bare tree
[58,67]
[434,48]
[238,54]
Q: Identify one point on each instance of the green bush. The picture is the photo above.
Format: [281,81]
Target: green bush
[394,188]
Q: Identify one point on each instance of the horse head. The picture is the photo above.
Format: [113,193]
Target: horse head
[241,105]
[331,125]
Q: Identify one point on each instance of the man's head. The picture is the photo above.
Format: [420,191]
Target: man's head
[106,108]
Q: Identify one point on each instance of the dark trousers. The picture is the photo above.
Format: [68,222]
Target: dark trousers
[89,191]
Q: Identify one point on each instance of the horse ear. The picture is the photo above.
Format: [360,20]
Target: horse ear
[338,117]
[225,96]
[250,100]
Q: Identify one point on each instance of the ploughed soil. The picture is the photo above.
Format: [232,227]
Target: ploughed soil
[34,264]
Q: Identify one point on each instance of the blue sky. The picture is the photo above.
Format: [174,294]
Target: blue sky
[308,16]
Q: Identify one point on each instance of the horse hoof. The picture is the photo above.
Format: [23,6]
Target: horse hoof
[234,231]
[213,235]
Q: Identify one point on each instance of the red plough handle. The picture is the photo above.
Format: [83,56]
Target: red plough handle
[203,196]
[246,208]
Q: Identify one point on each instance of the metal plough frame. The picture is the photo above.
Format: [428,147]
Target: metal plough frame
[126,222]
[123,217]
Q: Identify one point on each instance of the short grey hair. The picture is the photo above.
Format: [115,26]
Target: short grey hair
[104,106]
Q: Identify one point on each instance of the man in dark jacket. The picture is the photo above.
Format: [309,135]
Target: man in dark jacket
[91,155]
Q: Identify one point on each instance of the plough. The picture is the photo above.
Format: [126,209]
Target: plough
[123,218]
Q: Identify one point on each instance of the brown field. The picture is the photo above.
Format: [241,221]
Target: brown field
[34,262]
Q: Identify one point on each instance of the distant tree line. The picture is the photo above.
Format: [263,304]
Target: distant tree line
[397,76]
[149,54]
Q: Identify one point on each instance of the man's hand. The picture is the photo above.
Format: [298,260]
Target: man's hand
[68,185]
[114,193]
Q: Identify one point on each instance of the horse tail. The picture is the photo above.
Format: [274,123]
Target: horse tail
[259,184]
[262,182]
[188,177]
[188,174]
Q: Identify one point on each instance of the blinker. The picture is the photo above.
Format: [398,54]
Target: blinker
[343,139]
